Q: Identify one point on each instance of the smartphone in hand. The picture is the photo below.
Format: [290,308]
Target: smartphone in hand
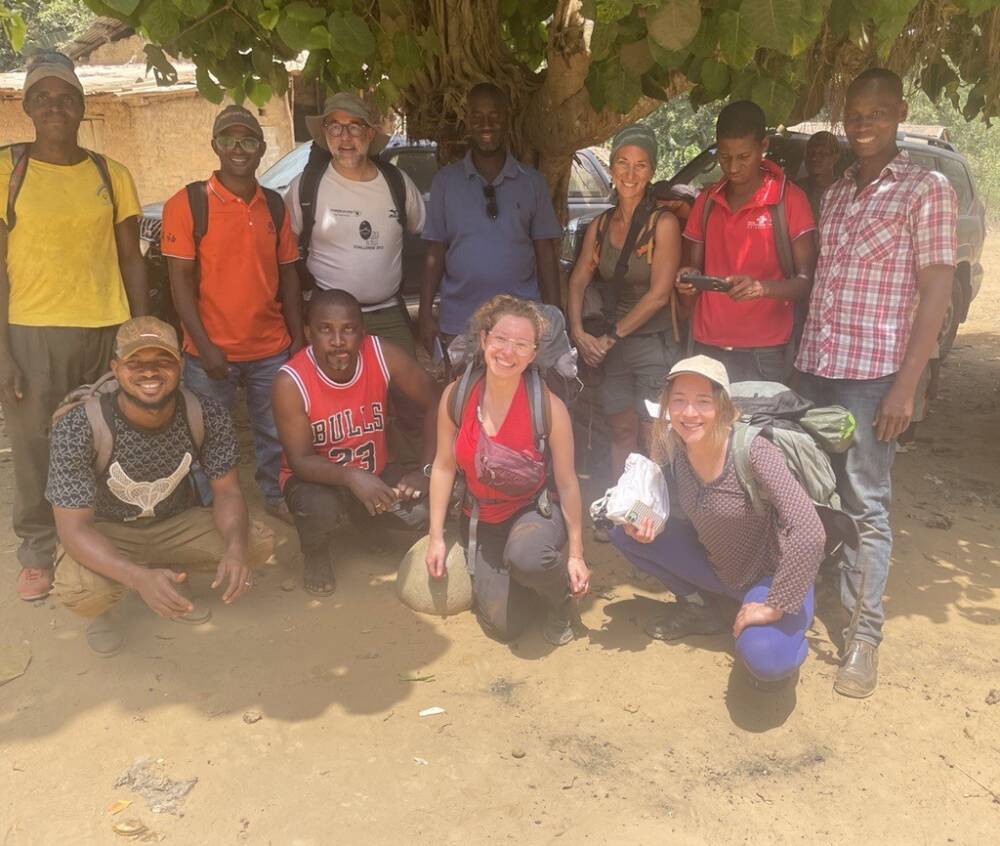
[707,283]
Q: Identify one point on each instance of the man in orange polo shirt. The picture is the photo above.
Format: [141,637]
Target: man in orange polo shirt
[231,258]
[750,327]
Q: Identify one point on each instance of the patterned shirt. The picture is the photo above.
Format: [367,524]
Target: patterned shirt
[147,476]
[873,242]
[743,546]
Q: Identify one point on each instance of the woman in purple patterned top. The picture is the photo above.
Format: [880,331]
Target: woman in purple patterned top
[766,562]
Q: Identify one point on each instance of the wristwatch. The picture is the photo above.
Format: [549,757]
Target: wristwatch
[427,470]
[613,334]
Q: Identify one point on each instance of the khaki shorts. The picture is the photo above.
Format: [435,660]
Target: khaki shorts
[635,370]
[189,540]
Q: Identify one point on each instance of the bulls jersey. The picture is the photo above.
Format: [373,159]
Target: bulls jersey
[347,419]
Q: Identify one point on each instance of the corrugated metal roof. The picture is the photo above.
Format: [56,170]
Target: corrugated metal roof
[101,31]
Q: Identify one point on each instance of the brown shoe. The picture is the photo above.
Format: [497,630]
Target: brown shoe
[686,618]
[34,583]
[858,673]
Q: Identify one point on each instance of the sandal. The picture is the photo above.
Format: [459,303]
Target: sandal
[683,619]
[318,578]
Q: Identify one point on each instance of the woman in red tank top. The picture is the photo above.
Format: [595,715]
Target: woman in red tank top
[515,544]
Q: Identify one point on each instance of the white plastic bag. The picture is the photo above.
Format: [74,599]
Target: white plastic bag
[641,492]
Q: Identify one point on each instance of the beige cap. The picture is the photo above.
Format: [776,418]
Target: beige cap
[143,333]
[50,63]
[345,101]
[702,365]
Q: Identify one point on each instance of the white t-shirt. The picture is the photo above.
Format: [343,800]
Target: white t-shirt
[357,242]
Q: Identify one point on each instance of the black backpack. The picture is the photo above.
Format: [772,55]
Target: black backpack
[319,160]
[20,154]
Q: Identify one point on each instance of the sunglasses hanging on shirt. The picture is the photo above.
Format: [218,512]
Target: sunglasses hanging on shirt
[490,193]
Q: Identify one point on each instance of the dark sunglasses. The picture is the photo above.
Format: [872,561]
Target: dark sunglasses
[490,193]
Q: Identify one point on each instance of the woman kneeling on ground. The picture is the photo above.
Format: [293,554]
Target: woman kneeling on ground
[518,540]
[766,562]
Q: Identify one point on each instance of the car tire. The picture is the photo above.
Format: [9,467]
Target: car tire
[949,327]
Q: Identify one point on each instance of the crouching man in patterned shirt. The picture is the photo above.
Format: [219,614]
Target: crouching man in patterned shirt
[136,524]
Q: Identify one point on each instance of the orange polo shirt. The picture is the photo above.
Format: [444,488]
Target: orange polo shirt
[238,260]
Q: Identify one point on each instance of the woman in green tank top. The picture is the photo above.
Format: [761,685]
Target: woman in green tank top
[634,341]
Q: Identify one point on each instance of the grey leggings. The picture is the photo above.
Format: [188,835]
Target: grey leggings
[524,553]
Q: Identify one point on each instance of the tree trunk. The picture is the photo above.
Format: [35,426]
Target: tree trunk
[551,113]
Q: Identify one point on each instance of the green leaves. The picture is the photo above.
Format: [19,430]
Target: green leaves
[771,23]
[193,8]
[735,41]
[160,20]
[207,86]
[675,23]
[125,7]
[13,27]
[775,99]
[350,35]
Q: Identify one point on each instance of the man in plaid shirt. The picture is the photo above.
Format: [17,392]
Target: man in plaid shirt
[883,283]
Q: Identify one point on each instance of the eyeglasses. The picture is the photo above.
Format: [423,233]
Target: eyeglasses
[247,143]
[499,342]
[336,129]
[490,193]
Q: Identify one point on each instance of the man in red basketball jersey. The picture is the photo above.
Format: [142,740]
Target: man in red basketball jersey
[330,409]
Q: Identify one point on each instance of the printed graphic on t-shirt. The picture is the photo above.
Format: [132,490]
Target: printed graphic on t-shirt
[369,238]
[145,495]
[762,221]
[350,425]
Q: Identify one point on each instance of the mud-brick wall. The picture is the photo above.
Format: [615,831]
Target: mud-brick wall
[164,139]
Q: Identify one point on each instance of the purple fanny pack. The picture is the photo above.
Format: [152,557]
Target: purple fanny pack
[513,472]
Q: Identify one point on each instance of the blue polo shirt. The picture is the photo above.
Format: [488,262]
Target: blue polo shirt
[487,257]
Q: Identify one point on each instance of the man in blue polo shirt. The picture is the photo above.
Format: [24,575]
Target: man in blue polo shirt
[490,227]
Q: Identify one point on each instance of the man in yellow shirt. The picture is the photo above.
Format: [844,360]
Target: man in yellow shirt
[70,273]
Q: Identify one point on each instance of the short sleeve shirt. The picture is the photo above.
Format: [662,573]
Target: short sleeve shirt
[238,260]
[742,242]
[357,242]
[148,474]
[62,257]
[486,257]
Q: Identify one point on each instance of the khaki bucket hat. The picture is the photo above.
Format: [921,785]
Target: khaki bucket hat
[345,101]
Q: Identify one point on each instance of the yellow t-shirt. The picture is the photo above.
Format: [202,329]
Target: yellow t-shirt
[61,255]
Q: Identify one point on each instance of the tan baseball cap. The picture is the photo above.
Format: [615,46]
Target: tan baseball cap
[143,333]
[51,63]
[345,101]
[702,365]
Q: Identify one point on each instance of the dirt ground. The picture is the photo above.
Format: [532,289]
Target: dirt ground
[294,715]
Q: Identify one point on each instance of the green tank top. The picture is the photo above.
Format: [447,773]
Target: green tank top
[634,284]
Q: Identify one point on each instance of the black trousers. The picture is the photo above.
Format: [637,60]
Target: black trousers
[320,510]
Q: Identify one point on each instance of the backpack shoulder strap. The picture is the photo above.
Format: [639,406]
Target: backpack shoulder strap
[460,393]
[397,187]
[782,239]
[316,165]
[706,212]
[98,415]
[20,154]
[101,163]
[603,225]
[540,407]
[743,437]
[197,193]
[194,414]
[275,205]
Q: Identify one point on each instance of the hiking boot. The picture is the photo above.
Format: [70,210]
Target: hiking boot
[34,583]
[558,628]
[279,511]
[686,618]
[858,673]
[763,686]
[104,634]
[198,615]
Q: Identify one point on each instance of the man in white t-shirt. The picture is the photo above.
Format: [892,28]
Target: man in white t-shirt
[356,241]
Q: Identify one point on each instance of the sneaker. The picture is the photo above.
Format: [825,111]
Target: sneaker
[279,511]
[858,673]
[558,630]
[104,634]
[686,618]
[34,583]
[198,616]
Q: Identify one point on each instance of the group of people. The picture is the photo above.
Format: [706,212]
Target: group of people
[137,482]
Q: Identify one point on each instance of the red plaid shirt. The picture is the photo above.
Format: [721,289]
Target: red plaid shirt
[871,248]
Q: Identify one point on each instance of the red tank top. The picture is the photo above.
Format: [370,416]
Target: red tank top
[348,420]
[515,432]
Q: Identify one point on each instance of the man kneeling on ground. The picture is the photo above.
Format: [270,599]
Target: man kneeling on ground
[135,523]
[330,408]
